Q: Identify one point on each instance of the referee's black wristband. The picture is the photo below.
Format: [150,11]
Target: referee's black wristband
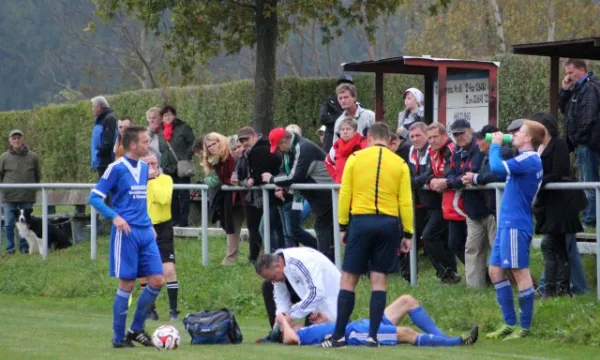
[343,227]
[408,235]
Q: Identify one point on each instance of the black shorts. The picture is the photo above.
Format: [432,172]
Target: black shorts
[164,239]
[371,245]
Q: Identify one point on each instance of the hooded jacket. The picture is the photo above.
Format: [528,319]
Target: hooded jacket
[405,117]
[20,168]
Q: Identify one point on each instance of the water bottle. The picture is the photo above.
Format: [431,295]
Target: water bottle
[506,138]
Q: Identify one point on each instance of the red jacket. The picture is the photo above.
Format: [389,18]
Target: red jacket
[339,154]
[453,207]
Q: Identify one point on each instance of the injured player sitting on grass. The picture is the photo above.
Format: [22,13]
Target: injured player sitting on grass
[389,332]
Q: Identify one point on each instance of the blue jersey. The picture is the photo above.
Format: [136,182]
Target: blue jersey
[523,180]
[315,334]
[125,180]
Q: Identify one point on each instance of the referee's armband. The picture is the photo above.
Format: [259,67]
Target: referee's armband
[343,227]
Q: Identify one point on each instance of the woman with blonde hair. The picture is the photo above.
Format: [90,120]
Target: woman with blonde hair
[219,167]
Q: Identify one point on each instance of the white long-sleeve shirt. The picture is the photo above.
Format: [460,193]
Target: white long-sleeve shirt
[314,278]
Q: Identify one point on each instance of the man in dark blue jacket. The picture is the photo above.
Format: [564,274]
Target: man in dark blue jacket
[480,206]
[104,135]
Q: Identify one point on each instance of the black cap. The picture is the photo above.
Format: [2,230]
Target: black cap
[515,125]
[487,129]
[345,79]
[459,125]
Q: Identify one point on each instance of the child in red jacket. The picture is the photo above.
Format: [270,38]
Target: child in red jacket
[349,142]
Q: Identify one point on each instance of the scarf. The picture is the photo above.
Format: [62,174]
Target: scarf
[168,131]
[343,149]
[298,199]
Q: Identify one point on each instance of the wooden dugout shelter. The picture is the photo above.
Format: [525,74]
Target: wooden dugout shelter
[431,69]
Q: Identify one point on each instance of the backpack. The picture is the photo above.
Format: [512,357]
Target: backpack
[213,327]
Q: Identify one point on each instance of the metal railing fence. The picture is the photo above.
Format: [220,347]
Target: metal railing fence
[334,188]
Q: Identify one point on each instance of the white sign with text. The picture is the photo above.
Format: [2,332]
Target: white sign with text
[467,97]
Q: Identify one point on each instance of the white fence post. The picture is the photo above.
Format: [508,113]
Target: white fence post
[336,229]
[204,193]
[93,233]
[266,221]
[44,224]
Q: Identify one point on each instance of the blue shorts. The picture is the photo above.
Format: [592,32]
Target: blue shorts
[358,331]
[372,244]
[135,255]
[511,249]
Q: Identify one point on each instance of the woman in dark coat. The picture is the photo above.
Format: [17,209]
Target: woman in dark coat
[556,211]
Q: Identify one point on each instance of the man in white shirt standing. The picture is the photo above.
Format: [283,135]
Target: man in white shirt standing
[298,282]
[347,96]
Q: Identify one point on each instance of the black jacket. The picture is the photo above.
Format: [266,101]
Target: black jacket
[481,203]
[557,211]
[307,166]
[181,142]
[330,112]
[421,172]
[256,161]
[581,107]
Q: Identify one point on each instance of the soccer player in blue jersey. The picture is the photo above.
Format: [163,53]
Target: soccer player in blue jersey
[133,249]
[389,333]
[515,226]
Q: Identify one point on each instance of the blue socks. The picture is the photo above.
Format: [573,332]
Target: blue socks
[430,340]
[120,308]
[421,318]
[345,307]
[376,309]
[526,298]
[504,296]
[143,305]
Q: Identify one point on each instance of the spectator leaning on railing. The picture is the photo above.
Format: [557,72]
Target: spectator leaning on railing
[480,207]
[18,165]
[441,150]
[259,160]
[303,163]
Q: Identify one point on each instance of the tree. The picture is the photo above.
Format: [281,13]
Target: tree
[209,27]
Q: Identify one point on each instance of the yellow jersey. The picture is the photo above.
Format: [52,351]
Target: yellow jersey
[159,192]
[376,181]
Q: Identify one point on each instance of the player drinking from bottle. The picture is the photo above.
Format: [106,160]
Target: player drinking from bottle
[133,249]
[515,226]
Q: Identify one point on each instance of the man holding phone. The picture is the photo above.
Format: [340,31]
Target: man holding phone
[579,101]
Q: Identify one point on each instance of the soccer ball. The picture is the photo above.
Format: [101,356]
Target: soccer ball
[166,337]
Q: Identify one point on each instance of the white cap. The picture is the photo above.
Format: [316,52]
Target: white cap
[321,129]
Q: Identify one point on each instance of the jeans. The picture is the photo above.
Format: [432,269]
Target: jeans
[293,232]
[588,167]
[305,212]
[9,224]
[578,283]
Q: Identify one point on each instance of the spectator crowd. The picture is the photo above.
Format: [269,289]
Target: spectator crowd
[452,225]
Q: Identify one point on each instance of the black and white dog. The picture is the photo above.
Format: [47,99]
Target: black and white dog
[30,229]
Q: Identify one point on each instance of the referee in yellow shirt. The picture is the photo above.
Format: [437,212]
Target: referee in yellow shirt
[376,192]
[159,193]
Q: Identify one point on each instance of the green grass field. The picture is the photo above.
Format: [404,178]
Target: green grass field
[61,309]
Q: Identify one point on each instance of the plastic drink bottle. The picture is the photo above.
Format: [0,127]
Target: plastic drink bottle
[506,138]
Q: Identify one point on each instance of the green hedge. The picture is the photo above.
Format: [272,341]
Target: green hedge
[60,134]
